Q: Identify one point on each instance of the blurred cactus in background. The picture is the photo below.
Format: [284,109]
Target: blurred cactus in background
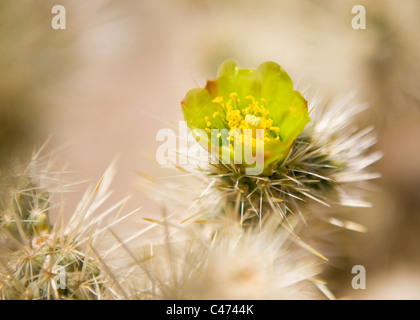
[220,260]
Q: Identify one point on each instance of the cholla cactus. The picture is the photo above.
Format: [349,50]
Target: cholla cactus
[304,161]
[239,236]
[309,162]
[39,260]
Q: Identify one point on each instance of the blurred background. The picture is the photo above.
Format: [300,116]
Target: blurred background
[86,87]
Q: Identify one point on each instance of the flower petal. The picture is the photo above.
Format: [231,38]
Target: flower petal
[232,79]
[197,105]
[277,89]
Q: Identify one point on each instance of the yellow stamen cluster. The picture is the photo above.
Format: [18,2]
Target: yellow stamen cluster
[252,116]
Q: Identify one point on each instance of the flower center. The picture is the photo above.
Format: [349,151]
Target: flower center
[251,114]
[252,120]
